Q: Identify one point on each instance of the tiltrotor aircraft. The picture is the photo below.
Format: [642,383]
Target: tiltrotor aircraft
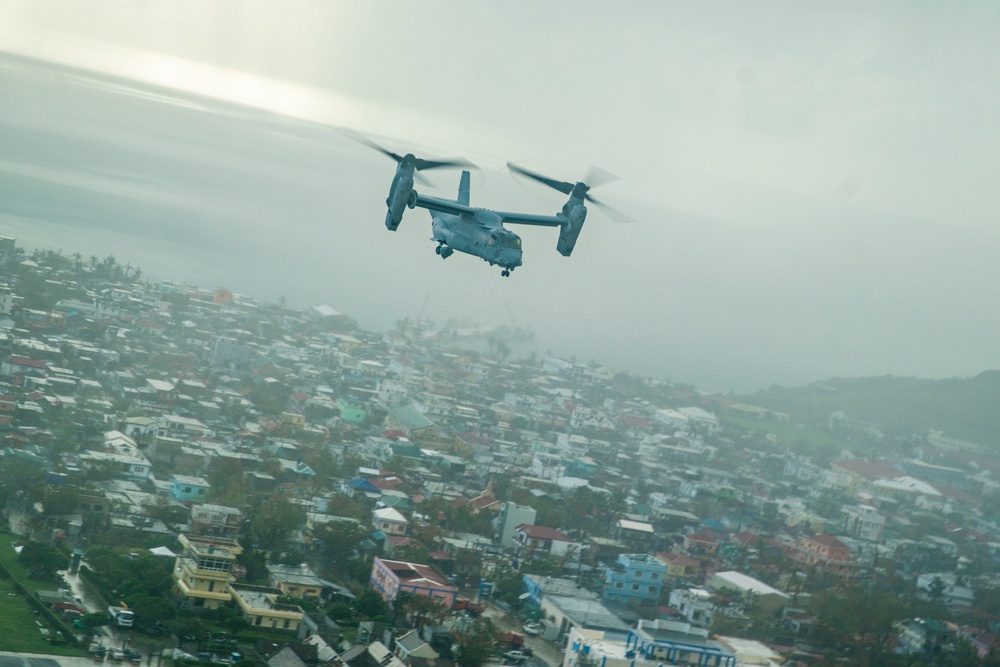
[479,231]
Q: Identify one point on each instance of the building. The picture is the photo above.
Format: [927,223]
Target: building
[679,566]
[768,598]
[203,572]
[511,516]
[415,425]
[389,578]
[260,607]
[827,554]
[694,604]
[677,643]
[216,519]
[863,522]
[565,612]
[593,648]
[634,577]
[541,540]
[187,489]
[297,581]
[390,521]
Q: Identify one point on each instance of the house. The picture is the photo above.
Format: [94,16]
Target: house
[700,543]
[677,643]
[188,489]
[827,554]
[634,577]
[413,645]
[541,540]
[297,581]
[389,578]
[679,566]
[596,647]
[923,636]
[415,425]
[863,522]
[203,571]
[768,598]
[260,607]
[511,516]
[390,521]
[694,604]
[216,519]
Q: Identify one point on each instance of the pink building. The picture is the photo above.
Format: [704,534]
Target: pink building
[390,577]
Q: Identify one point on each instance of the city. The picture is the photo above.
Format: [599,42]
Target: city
[196,474]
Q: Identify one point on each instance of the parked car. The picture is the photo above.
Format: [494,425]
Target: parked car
[532,629]
[514,657]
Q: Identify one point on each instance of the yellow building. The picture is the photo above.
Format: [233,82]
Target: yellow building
[203,572]
[260,607]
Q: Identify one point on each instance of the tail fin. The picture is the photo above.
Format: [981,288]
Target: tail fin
[463,189]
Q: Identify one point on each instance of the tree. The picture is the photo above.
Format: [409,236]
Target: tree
[865,619]
[508,584]
[272,521]
[151,610]
[338,541]
[41,559]
[420,610]
[477,643]
[370,605]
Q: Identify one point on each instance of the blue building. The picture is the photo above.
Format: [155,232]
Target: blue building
[189,489]
[634,577]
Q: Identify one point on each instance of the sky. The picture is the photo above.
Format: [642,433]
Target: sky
[814,184]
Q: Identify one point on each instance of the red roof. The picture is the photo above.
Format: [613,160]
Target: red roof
[700,537]
[25,361]
[680,560]
[828,541]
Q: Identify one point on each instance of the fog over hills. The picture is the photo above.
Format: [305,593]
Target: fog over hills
[813,202]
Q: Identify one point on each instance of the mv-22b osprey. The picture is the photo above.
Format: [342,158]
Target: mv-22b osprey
[479,231]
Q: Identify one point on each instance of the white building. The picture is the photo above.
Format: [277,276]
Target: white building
[694,604]
[863,522]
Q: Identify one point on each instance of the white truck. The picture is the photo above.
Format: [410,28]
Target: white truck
[122,616]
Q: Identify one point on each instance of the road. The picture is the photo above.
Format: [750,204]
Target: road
[545,653]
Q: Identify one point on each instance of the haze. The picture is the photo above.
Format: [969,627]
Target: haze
[815,184]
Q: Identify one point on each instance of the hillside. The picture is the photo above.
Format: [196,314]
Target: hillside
[964,408]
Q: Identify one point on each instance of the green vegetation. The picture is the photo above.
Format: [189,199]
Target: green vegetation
[799,438]
[962,408]
[21,629]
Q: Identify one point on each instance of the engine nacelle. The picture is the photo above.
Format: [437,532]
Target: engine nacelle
[411,201]
[574,217]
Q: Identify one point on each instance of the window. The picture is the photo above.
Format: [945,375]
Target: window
[618,584]
[635,587]
[638,574]
[654,575]
[651,589]
[288,622]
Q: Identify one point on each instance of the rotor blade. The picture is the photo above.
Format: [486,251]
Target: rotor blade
[423,180]
[561,186]
[424,165]
[610,211]
[362,139]
[598,177]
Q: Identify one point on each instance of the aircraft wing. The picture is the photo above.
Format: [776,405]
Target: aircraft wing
[443,205]
[530,219]
[485,216]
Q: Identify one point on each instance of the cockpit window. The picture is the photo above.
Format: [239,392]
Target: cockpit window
[510,241]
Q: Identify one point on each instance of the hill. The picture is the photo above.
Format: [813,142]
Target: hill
[964,408]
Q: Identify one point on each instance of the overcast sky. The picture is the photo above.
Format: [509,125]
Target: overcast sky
[815,184]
